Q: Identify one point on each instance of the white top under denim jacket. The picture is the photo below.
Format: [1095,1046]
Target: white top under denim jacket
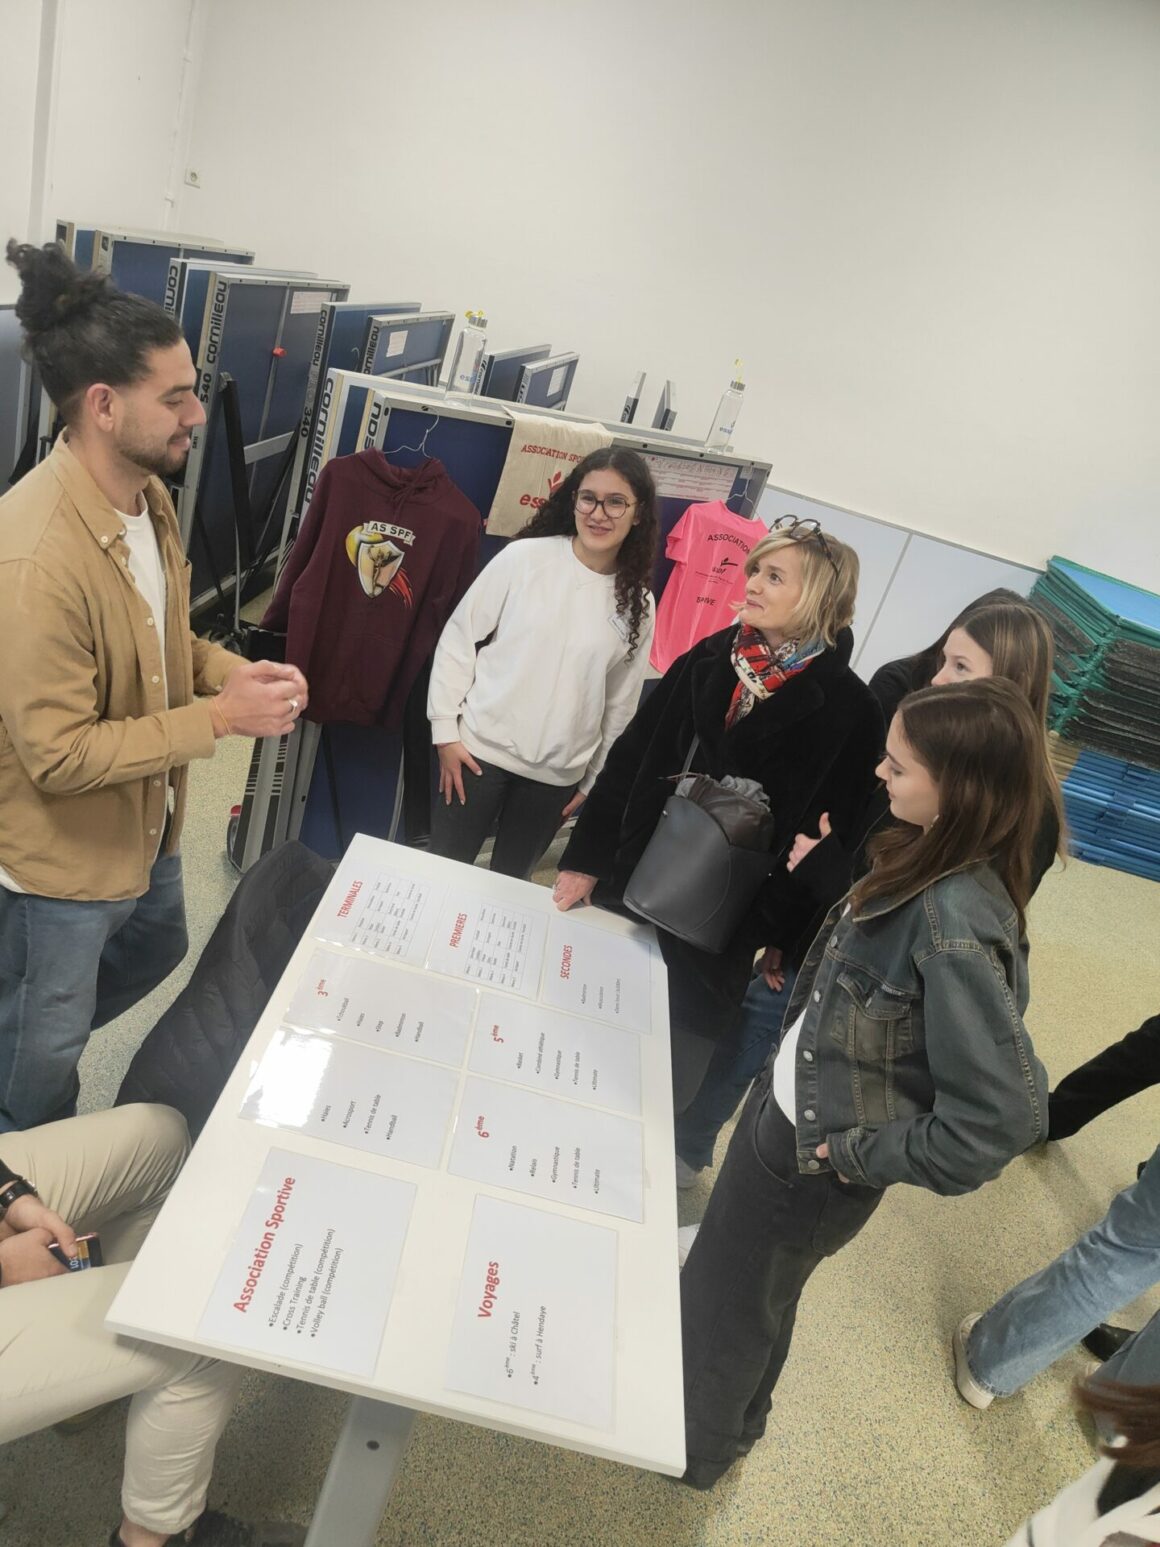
[912,1061]
[1071,1519]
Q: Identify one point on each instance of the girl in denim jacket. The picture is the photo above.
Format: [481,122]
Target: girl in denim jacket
[904,1059]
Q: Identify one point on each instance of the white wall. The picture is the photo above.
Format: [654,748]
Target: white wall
[910,586]
[115,113]
[929,226]
[19,48]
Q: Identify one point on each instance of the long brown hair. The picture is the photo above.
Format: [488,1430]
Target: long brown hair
[923,665]
[982,744]
[556,517]
[1019,642]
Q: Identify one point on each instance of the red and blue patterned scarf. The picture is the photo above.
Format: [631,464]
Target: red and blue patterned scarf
[761,668]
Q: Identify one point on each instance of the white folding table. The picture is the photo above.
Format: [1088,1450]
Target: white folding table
[493,951]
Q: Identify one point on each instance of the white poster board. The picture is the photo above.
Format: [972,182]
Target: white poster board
[304,1278]
[477,1108]
[535,1321]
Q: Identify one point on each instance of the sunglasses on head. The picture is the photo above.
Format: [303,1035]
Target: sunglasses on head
[804,529]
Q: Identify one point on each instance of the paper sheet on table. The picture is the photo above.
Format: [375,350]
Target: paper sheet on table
[385,912]
[311,1270]
[353,1095]
[535,1324]
[549,1148]
[490,943]
[547,1050]
[594,972]
[384,1006]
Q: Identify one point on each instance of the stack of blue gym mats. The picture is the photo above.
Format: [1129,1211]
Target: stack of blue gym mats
[1106,701]
[1113,814]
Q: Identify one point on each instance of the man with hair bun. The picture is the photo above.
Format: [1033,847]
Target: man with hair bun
[105,693]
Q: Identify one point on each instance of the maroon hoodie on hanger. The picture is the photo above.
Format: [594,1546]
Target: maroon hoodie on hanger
[380,563]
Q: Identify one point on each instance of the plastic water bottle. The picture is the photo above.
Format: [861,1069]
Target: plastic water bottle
[467,362]
[725,419]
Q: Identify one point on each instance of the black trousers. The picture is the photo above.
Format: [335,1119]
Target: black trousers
[706,991]
[528,814]
[1122,1070]
[766,1229]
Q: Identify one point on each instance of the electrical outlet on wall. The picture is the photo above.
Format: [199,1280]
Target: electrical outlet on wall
[192,178]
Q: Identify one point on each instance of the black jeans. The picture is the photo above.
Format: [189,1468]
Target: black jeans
[706,990]
[528,812]
[1122,1070]
[766,1229]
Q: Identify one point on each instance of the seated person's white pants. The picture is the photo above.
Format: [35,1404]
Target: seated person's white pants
[111,1172]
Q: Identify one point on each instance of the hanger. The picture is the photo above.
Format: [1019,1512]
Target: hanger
[421,448]
[743,496]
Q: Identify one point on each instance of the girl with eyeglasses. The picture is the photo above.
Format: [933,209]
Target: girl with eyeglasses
[540,666]
[771,699]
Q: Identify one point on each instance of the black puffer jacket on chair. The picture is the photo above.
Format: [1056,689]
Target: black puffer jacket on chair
[189,1055]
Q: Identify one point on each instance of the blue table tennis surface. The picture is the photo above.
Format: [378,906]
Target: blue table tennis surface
[1129,602]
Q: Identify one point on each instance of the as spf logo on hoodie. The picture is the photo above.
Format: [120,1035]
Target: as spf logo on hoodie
[378,551]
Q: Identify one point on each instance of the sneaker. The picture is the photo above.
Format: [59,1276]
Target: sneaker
[1105,1340]
[687,1176]
[213,1529]
[686,1235]
[968,1387]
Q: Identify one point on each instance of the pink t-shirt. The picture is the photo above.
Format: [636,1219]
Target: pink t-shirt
[709,546]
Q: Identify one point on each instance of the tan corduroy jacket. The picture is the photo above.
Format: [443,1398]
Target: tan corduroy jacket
[89,747]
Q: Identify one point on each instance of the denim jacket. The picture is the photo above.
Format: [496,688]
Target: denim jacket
[913,1063]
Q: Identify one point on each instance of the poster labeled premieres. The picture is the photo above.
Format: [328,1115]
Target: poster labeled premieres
[535,1324]
[311,1270]
[489,943]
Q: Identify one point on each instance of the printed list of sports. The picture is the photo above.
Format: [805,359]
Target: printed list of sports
[454,1032]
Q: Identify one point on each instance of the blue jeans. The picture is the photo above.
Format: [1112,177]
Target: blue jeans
[1049,1312]
[737,1061]
[67,968]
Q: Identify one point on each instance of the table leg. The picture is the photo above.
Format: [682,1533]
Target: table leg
[362,1470]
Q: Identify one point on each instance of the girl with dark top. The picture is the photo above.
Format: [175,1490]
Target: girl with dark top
[988,639]
[891,683]
[772,700]
[905,1057]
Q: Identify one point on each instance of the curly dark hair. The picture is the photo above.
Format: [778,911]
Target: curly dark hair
[556,517]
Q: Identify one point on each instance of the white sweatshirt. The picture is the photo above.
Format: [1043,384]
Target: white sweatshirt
[551,692]
[1070,1520]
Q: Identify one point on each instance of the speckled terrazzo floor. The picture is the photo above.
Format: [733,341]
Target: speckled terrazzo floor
[869,1443]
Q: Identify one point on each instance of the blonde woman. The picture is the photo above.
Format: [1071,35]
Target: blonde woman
[772,699]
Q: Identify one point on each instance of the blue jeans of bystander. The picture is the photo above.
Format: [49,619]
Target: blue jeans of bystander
[737,1061]
[1045,1315]
[67,968]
